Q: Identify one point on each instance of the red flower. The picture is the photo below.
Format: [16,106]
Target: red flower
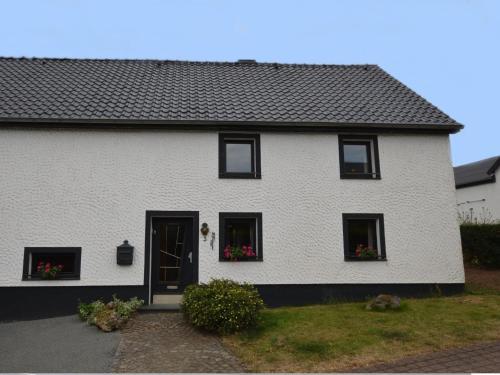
[60,266]
[227,251]
[250,251]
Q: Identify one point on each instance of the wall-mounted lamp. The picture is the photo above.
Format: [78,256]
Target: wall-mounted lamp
[204,231]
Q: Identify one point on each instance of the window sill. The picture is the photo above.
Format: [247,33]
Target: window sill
[360,176]
[250,176]
[240,260]
[357,259]
[62,278]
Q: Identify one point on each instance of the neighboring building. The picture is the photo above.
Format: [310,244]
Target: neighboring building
[326,181]
[478,192]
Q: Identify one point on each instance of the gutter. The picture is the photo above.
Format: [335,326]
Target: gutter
[321,126]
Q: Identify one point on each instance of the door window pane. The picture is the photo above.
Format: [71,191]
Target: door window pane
[171,252]
[239,157]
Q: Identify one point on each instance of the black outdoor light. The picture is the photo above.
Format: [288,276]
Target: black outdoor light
[124,254]
[204,231]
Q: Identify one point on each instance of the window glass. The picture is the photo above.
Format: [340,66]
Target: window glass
[241,237]
[66,261]
[51,263]
[240,232]
[239,157]
[362,235]
[357,157]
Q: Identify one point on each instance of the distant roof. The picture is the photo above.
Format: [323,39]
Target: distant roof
[479,172]
[33,89]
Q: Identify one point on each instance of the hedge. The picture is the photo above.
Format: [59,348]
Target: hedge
[481,244]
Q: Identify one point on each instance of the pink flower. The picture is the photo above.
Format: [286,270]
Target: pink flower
[227,251]
[250,251]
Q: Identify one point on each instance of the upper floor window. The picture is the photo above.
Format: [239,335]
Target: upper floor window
[239,155]
[359,157]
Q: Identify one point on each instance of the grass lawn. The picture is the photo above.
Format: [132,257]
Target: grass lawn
[342,336]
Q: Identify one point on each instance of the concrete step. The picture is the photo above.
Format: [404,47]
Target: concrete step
[160,307]
[167,299]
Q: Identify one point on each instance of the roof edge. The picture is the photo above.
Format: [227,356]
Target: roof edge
[487,180]
[229,125]
[494,167]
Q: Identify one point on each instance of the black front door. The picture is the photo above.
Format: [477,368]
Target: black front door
[172,254]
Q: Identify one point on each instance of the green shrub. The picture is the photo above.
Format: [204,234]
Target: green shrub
[84,311]
[88,311]
[108,316]
[481,244]
[125,309]
[222,306]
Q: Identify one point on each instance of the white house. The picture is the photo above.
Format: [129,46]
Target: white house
[478,193]
[313,182]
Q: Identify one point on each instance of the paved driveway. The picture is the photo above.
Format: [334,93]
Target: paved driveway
[164,342]
[484,357]
[63,344]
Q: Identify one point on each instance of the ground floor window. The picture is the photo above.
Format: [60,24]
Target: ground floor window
[49,263]
[364,237]
[240,236]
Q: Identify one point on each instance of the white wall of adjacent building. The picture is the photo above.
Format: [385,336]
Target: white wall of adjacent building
[481,202]
[91,189]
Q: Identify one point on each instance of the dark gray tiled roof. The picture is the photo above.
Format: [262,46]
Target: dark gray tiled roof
[154,90]
[482,171]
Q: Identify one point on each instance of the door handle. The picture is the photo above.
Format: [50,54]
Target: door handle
[190,256]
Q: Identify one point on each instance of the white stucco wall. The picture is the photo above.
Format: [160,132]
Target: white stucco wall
[92,188]
[472,197]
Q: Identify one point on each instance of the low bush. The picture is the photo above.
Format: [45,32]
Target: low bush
[222,306]
[108,316]
[481,244]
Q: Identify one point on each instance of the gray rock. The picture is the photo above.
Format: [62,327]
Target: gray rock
[383,302]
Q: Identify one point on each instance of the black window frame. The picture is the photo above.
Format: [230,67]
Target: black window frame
[77,251]
[254,139]
[346,218]
[370,140]
[223,216]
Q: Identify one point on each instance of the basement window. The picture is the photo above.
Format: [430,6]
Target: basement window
[49,263]
[240,236]
[359,157]
[239,156]
[364,237]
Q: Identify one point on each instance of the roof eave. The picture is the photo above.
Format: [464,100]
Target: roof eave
[487,180]
[228,125]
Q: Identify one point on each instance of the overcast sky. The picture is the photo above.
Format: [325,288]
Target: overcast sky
[447,51]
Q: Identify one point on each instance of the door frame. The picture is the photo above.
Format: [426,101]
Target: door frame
[150,215]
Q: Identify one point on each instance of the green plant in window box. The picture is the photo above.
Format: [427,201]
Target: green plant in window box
[366,252]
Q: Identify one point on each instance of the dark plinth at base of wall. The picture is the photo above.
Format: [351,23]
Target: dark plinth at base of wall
[276,295]
[27,303]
